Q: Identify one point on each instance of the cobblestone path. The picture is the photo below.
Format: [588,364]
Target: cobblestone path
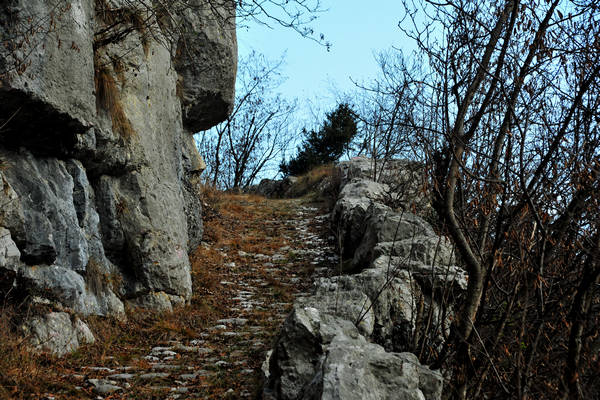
[258,257]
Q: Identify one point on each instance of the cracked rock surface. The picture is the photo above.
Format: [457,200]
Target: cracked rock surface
[99,172]
[351,336]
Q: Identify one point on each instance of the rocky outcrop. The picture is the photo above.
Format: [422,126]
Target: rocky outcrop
[205,61]
[321,356]
[99,178]
[273,188]
[399,280]
[404,186]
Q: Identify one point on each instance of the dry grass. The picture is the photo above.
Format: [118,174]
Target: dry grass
[321,185]
[95,278]
[26,374]
[108,99]
[179,88]
[119,69]
[22,371]
[320,172]
[239,212]
[141,26]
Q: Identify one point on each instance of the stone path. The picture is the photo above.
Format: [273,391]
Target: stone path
[224,359]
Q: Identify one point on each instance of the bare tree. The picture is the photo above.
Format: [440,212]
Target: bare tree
[255,134]
[507,115]
[386,112]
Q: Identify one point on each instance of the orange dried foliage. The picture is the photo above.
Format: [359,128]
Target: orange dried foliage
[21,370]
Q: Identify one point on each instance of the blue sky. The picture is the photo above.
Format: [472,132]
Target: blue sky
[356,29]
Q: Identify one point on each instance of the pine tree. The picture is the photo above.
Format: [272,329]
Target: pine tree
[325,145]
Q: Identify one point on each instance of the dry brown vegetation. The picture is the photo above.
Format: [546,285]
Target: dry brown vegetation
[307,183]
[321,185]
[108,100]
[20,370]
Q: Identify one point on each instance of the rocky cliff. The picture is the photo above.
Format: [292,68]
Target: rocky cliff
[98,179]
[354,336]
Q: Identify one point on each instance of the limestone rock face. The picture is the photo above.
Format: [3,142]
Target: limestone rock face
[47,72]
[193,166]
[99,172]
[207,62]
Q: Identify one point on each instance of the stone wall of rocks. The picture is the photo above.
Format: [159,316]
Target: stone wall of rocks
[98,177]
[350,338]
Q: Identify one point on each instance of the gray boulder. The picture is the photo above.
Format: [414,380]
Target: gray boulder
[159,301]
[193,166]
[348,302]
[393,297]
[357,168]
[273,188]
[56,333]
[342,340]
[356,201]
[318,356]
[70,289]
[389,171]
[431,278]
[431,250]
[362,188]
[9,252]
[384,225]
[300,349]
[440,278]
[405,180]
[348,222]
[356,369]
